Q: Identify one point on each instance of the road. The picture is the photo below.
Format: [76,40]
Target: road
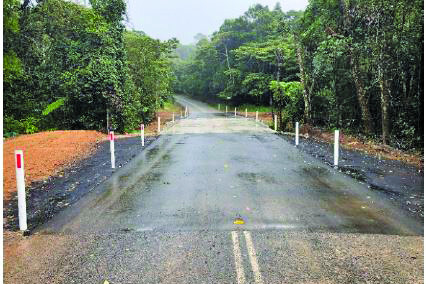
[169,217]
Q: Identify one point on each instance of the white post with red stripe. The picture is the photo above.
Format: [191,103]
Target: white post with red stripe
[20,184]
[336,148]
[111,148]
[143,134]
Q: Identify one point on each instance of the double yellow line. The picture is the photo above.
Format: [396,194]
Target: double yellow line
[241,279]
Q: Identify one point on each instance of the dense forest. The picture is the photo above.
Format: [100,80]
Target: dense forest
[350,64]
[67,66]
[356,65]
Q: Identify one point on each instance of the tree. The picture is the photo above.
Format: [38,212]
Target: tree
[286,98]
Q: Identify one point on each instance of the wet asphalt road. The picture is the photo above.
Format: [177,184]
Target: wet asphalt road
[168,217]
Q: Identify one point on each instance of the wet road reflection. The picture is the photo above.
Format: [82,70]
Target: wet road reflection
[209,169]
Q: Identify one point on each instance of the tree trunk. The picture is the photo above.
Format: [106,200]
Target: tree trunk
[229,66]
[384,101]
[306,93]
[361,95]
[271,98]
[362,98]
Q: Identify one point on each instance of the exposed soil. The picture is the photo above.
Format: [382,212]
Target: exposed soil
[62,166]
[400,182]
[45,154]
[47,197]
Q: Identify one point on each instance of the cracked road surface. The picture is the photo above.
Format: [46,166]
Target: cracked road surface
[168,217]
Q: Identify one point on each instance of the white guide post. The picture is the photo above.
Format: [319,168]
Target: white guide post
[159,125]
[235,112]
[20,184]
[257,115]
[218,106]
[336,148]
[275,122]
[186,111]
[246,113]
[297,134]
[173,118]
[111,148]
[226,109]
[143,134]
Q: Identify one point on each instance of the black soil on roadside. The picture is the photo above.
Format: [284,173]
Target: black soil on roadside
[401,183]
[46,198]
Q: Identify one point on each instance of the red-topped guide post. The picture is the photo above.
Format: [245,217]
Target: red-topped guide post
[20,184]
[111,148]
[336,148]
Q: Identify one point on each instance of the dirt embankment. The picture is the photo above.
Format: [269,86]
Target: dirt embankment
[45,154]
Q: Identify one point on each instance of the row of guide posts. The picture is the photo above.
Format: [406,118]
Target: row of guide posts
[296,142]
[20,175]
[112,137]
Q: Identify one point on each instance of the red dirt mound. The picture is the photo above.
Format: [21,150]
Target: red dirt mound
[45,154]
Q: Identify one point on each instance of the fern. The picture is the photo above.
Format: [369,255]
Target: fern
[51,107]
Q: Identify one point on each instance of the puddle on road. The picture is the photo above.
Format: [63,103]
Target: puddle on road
[257,177]
[122,192]
[152,152]
[358,215]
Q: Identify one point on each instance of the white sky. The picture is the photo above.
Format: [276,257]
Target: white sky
[183,19]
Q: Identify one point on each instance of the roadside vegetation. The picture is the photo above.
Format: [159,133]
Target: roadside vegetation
[67,66]
[354,65]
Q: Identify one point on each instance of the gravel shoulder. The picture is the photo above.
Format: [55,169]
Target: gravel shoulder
[403,184]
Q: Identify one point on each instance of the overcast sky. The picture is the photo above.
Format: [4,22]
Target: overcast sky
[183,19]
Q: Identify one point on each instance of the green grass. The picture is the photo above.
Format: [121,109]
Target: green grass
[133,131]
[242,108]
[170,106]
[253,108]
